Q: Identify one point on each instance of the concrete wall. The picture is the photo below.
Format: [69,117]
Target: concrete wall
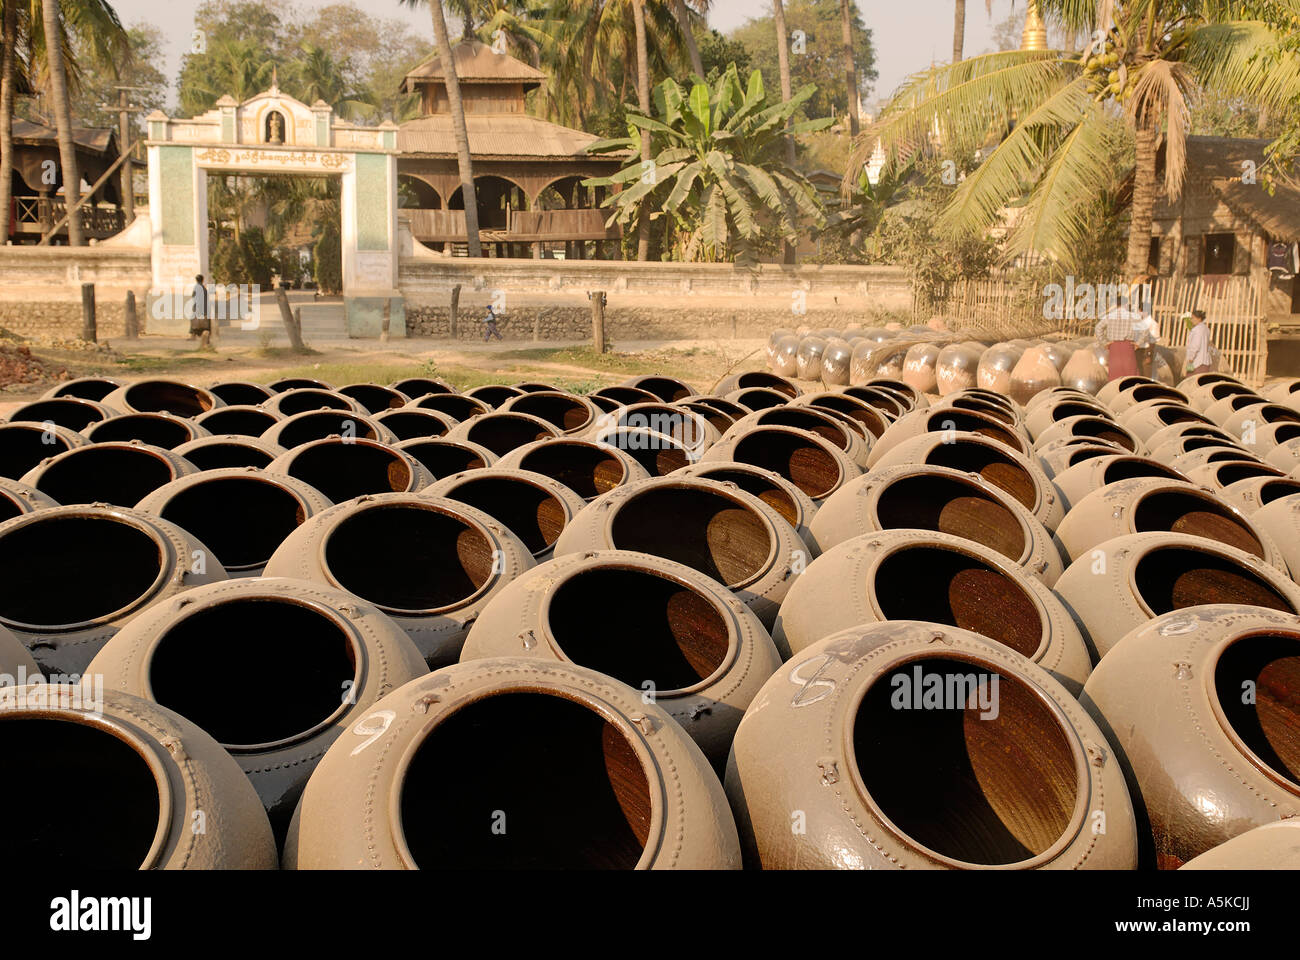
[40,288]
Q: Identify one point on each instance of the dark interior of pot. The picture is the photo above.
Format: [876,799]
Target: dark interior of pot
[90,801]
[761,398]
[271,630]
[298,383]
[1172,413]
[1155,391]
[373,397]
[945,586]
[993,465]
[89,388]
[419,386]
[1075,408]
[453,404]
[1196,513]
[708,531]
[979,788]
[968,420]
[242,421]
[712,416]
[1286,431]
[536,386]
[23,446]
[565,413]
[494,394]
[1170,578]
[307,398]
[1234,470]
[409,424]
[1203,442]
[408,557]
[677,639]
[1267,666]
[798,458]
[758,378]
[627,395]
[122,476]
[237,393]
[1084,452]
[1276,413]
[1126,468]
[658,453]
[503,432]
[1272,490]
[10,506]
[319,424]
[1101,429]
[227,453]
[343,470]
[1227,388]
[240,519]
[954,505]
[150,428]
[675,422]
[995,410]
[54,569]
[584,468]
[530,512]
[65,412]
[760,486]
[1243,400]
[444,458]
[871,421]
[153,396]
[665,388]
[878,398]
[564,789]
[804,418]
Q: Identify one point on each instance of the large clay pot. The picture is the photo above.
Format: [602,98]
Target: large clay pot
[502,432]
[1263,437]
[1127,581]
[297,383]
[422,386]
[1059,407]
[653,624]
[1090,426]
[816,466]
[794,506]
[407,423]
[665,388]
[822,423]
[229,450]
[1274,846]
[17,667]
[784,357]
[1221,473]
[1222,409]
[289,403]
[1280,519]
[1130,397]
[955,369]
[311,425]
[343,655]
[1035,372]
[373,398]
[1200,456]
[948,421]
[1145,419]
[836,359]
[24,445]
[169,396]
[455,405]
[1084,371]
[757,398]
[980,402]
[1198,702]
[871,420]
[342,469]
[242,419]
[1061,455]
[657,453]
[1202,396]
[240,392]
[1285,455]
[85,388]
[840,764]
[116,473]
[1113,388]
[995,366]
[919,365]
[442,457]
[492,394]
[692,431]
[1251,493]
[1077,482]
[586,467]
[569,414]
[534,507]
[165,795]
[165,430]
[557,766]
[17,499]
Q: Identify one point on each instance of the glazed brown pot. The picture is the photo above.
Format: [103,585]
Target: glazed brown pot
[86,388]
[692,431]
[569,414]
[757,398]
[422,386]
[164,430]
[795,507]
[822,423]
[757,378]
[240,392]
[1092,427]
[407,423]
[494,394]
[343,655]
[693,648]
[17,667]
[1201,703]
[311,425]
[43,553]
[24,445]
[665,388]
[938,498]
[116,473]
[534,507]
[586,467]
[1143,393]
[430,564]
[242,419]
[1145,419]
[167,396]
[70,412]
[373,398]
[1124,582]
[842,762]
[909,574]
[558,766]
[1000,465]
[166,796]
[1281,521]
[715,528]
[1200,456]
[1221,473]
[442,457]
[502,432]
[454,405]
[229,450]
[955,368]
[1077,482]
[241,514]
[342,469]
[1045,414]
[815,466]
[290,403]
[17,499]
[1274,846]
[1159,505]
[1060,455]
[871,420]
[951,421]
[657,453]
[1251,493]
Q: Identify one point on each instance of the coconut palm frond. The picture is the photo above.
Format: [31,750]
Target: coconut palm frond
[1161,93]
[1246,58]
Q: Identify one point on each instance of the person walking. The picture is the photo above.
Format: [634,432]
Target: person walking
[1200,348]
[1146,335]
[200,316]
[490,325]
[1118,331]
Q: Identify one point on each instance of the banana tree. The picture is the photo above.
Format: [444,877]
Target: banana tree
[720,175]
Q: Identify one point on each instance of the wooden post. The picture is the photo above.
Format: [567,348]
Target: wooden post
[455,307]
[597,298]
[388,313]
[292,320]
[130,322]
[88,332]
[733,326]
[537,326]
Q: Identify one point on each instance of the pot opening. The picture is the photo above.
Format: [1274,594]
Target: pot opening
[1089,453]
[494,394]
[319,424]
[982,791]
[297,383]
[150,428]
[227,453]
[986,407]
[801,460]
[122,476]
[1203,442]
[969,420]
[1235,470]
[665,388]
[564,789]
[410,424]
[343,470]
[373,397]
[91,801]
[757,378]
[9,506]
[627,395]
[241,519]
[759,486]
[871,421]
[266,630]
[811,421]
[677,639]
[563,412]
[71,569]
[531,513]
[236,393]
[419,386]
[707,531]
[584,468]
[1127,468]
[153,396]
[1172,413]
[408,557]
[1272,490]
[1170,578]
[309,398]
[23,446]
[242,421]
[675,422]
[87,388]
[761,398]
[951,505]
[444,458]
[994,466]
[658,453]
[503,432]
[1276,413]
[67,412]
[1074,408]
[1153,391]
[945,586]
[1267,666]
[1101,429]
[1197,514]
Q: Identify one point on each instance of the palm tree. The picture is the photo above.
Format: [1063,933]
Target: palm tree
[688,35]
[58,77]
[958,29]
[783,65]
[643,101]
[318,76]
[8,81]
[850,72]
[238,67]
[1064,123]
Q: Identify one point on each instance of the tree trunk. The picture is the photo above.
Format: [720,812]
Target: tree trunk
[958,29]
[62,119]
[457,110]
[783,67]
[9,35]
[1144,198]
[850,71]
[688,36]
[643,101]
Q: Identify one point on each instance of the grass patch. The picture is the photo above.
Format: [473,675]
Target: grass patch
[581,357]
[141,363]
[343,373]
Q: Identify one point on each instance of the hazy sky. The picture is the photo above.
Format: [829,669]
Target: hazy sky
[908,33]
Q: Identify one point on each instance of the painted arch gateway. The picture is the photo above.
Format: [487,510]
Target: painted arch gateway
[273,133]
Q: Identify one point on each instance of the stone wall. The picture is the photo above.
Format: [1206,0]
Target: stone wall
[40,288]
[55,319]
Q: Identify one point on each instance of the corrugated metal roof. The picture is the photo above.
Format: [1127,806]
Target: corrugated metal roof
[477,63]
[97,139]
[497,135]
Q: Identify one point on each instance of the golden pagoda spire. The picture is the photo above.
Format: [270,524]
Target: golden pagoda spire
[1035,34]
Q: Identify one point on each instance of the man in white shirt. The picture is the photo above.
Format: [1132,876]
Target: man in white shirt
[1117,331]
[1199,358]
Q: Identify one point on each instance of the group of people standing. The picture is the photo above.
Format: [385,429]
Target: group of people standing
[1131,333]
